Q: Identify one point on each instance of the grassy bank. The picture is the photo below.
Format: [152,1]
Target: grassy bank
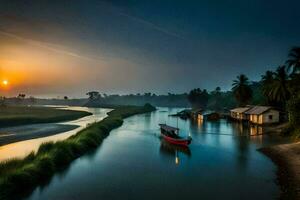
[21,176]
[21,115]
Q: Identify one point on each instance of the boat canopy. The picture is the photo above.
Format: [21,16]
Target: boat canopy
[168,128]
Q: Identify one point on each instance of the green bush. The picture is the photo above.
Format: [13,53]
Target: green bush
[294,116]
[293,109]
[45,147]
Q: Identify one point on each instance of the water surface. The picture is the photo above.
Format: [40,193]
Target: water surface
[134,163]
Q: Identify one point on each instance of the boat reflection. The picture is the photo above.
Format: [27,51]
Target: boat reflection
[176,158]
[170,150]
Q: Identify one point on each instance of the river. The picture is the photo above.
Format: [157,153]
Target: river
[134,163]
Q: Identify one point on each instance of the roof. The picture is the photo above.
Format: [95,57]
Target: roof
[208,113]
[197,110]
[168,128]
[257,110]
[240,109]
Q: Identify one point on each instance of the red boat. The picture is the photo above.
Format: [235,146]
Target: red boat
[171,135]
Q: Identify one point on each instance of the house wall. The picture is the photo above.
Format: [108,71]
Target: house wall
[254,119]
[260,119]
[233,115]
[264,118]
[246,116]
[257,119]
[236,115]
[275,117]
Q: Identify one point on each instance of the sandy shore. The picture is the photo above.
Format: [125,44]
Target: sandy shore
[287,158]
[26,132]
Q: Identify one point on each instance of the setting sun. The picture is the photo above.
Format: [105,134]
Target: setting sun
[5,82]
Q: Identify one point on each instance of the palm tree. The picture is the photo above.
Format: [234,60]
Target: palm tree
[216,99]
[268,77]
[242,90]
[266,84]
[279,91]
[294,60]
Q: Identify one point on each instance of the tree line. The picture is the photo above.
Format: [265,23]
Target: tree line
[280,88]
[168,100]
[276,88]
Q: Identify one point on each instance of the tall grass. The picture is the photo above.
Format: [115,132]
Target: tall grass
[18,176]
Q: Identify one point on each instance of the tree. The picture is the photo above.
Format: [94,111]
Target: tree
[93,95]
[293,107]
[21,96]
[216,99]
[267,80]
[279,92]
[242,90]
[198,98]
[293,61]
[294,84]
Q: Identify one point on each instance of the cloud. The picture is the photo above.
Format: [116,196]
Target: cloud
[47,46]
[116,10]
[152,25]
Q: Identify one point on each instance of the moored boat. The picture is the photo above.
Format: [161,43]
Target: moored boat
[171,135]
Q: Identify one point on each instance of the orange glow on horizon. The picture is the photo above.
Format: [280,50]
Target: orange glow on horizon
[35,70]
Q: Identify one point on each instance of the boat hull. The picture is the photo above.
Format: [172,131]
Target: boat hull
[181,142]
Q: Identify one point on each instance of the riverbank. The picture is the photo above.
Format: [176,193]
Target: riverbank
[287,158]
[14,134]
[22,115]
[21,176]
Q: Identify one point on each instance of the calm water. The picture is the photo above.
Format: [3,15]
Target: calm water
[23,148]
[133,163]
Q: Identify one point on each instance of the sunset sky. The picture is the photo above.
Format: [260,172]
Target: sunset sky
[53,48]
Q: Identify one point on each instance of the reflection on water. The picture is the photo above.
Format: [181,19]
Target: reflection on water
[256,130]
[237,128]
[174,151]
[23,148]
[132,163]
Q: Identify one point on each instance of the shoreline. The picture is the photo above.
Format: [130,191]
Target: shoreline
[11,135]
[287,159]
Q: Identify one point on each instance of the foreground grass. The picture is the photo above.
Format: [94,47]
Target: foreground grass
[21,176]
[21,115]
